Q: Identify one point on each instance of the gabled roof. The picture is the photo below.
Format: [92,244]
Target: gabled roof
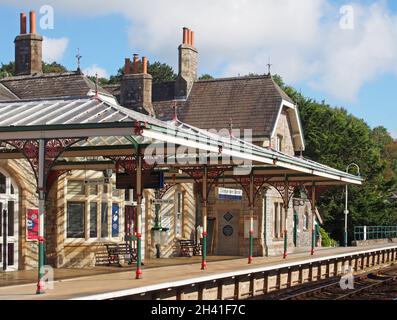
[49,85]
[249,102]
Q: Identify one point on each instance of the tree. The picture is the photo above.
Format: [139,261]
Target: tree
[206,76]
[8,70]
[161,72]
[336,138]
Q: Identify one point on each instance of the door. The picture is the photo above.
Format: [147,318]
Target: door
[228,230]
[9,223]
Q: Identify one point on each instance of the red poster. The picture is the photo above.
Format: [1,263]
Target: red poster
[32,224]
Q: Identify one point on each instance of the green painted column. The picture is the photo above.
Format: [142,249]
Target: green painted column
[251,231]
[286,206]
[41,190]
[313,204]
[139,216]
[204,216]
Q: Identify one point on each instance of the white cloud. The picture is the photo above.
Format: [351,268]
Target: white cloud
[54,49]
[95,69]
[303,38]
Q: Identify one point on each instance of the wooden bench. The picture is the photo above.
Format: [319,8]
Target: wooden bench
[187,248]
[117,250]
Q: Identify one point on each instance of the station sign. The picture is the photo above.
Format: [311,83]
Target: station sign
[97,181]
[230,194]
[162,201]
[150,180]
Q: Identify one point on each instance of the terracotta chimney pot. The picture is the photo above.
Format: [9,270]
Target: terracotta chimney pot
[192,38]
[127,66]
[23,23]
[135,61]
[144,65]
[32,22]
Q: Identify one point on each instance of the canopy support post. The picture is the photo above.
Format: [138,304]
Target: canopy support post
[204,216]
[41,190]
[139,215]
[286,206]
[251,231]
[313,203]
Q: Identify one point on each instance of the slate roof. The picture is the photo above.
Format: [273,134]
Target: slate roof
[49,85]
[250,102]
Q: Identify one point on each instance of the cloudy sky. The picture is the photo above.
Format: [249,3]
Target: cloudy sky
[339,51]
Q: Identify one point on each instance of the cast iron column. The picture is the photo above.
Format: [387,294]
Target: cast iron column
[251,231]
[204,215]
[286,201]
[313,217]
[139,215]
[41,190]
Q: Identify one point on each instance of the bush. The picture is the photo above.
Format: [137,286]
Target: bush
[326,240]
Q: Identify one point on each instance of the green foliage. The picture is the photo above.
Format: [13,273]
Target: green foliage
[161,72]
[8,70]
[53,68]
[206,76]
[336,138]
[326,240]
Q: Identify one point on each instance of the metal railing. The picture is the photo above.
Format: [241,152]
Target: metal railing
[374,232]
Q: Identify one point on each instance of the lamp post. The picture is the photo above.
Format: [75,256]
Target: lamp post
[346,200]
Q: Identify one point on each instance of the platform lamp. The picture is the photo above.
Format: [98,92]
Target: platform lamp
[346,201]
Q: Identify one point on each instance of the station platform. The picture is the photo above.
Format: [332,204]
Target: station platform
[110,283]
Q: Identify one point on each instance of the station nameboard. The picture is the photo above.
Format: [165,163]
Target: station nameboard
[150,180]
[230,194]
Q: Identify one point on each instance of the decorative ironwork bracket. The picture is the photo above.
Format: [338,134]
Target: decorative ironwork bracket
[259,182]
[286,189]
[53,149]
[129,163]
[213,175]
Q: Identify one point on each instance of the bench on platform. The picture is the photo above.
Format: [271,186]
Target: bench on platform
[188,248]
[121,251]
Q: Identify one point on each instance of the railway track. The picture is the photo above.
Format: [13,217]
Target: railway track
[380,285]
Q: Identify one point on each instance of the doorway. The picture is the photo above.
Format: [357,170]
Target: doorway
[9,223]
[228,233]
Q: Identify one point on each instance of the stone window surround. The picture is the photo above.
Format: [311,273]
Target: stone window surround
[99,198]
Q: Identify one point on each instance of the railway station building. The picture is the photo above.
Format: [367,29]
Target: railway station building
[64,139]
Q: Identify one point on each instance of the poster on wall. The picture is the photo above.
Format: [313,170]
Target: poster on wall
[115,220]
[32,224]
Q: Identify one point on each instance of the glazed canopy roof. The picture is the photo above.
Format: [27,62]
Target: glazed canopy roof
[110,129]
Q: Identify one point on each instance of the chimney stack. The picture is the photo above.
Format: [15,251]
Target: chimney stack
[136,88]
[188,62]
[28,48]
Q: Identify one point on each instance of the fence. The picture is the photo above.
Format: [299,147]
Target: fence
[374,232]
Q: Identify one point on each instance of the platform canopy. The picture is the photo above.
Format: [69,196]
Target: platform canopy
[107,129]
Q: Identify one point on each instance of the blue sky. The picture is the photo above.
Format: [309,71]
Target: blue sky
[355,67]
